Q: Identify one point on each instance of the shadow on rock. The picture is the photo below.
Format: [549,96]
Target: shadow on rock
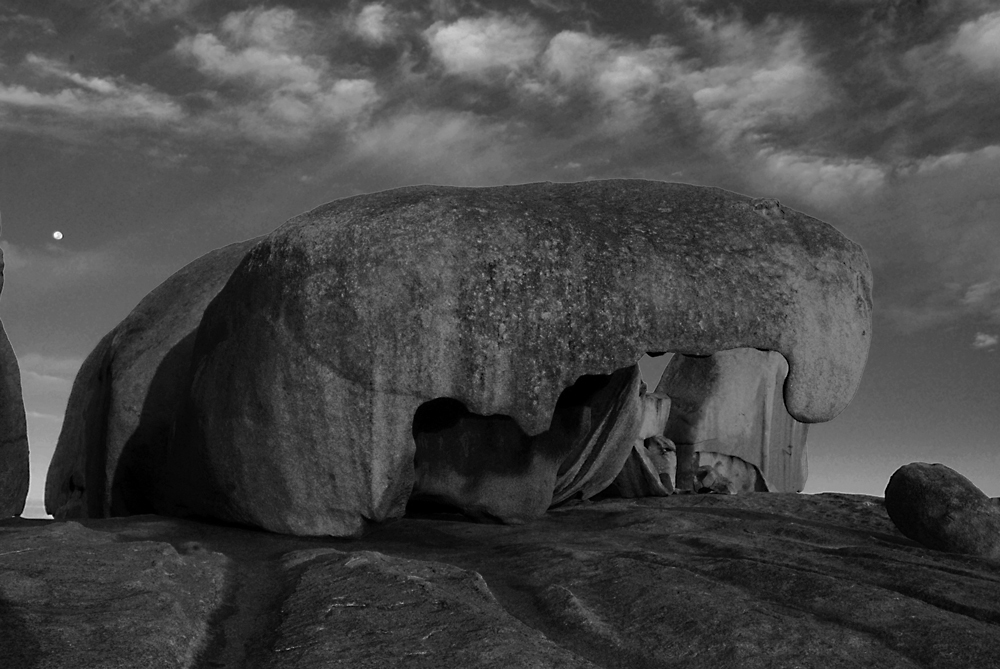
[18,646]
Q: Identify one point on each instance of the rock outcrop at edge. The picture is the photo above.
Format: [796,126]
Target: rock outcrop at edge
[122,404]
[941,509]
[15,468]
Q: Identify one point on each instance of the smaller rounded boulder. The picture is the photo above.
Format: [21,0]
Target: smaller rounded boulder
[941,509]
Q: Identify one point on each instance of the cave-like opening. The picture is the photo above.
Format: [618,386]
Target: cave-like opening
[695,423]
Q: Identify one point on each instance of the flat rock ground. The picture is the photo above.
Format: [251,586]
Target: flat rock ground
[755,580]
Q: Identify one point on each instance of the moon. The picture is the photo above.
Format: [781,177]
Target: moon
[57,235]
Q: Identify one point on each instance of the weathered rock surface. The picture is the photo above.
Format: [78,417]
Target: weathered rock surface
[616,416]
[310,364]
[650,470]
[14,465]
[122,404]
[77,597]
[651,467]
[722,473]
[377,610]
[695,581]
[940,508]
[730,404]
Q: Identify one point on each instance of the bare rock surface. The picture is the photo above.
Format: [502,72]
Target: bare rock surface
[79,598]
[309,366]
[122,404]
[14,465]
[367,609]
[731,404]
[694,581]
[940,508]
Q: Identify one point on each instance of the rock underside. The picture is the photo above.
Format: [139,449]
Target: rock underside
[755,580]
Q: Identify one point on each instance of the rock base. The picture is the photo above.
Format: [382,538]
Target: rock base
[752,580]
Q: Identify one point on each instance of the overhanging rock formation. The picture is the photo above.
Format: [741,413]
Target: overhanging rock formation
[730,405]
[310,365]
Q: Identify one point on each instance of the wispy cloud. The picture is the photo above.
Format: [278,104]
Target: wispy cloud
[123,13]
[46,381]
[44,283]
[283,92]
[985,341]
[958,159]
[614,86]
[984,297]
[478,46]
[458,148]
[81,98]
[17,25]
[37,415]
[978,43]
[820,180]
[55,263]
[762,78]
[374,23]
[46,365]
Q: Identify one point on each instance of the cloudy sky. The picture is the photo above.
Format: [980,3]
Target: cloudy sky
[151,131]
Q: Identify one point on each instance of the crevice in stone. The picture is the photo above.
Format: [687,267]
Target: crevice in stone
[243,629]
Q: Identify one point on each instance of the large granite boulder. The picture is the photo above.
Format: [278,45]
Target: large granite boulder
[309,366]
[122,404]
[14,465]
[728,414]
[940,508]
[307,370]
